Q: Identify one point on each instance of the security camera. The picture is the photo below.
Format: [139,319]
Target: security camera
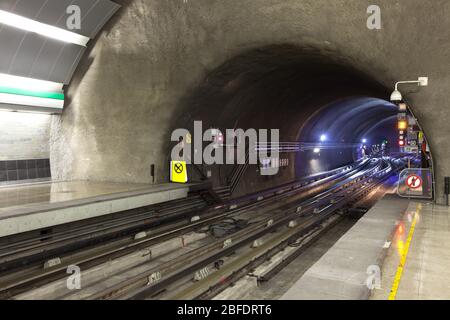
[396,96]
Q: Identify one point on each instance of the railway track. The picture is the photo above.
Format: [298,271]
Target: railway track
[141,287]
[307,194]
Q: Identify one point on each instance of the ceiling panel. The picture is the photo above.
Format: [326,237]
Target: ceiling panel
[27,8]
[94,13]
[7,5]
[31,55]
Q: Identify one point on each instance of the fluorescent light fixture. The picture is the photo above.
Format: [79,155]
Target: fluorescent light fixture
[30,84]
[30,92]
[37,94]
[19,22]
[31,101]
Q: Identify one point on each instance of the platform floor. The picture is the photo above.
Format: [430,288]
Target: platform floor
[34,206]
[417,266]
[343,271]
[53,192]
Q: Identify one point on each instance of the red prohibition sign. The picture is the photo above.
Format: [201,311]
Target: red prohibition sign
[414,182]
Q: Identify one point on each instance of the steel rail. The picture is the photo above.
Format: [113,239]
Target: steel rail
[5,250]
[255,259]
[261,228]
[135,246]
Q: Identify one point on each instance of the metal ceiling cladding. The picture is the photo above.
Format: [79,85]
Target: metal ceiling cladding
[53,12]
[31,55]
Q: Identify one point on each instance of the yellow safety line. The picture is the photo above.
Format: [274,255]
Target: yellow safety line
[398,275]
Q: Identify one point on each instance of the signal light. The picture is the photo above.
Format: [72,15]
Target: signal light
[402,107]
[401,143]
[402,125]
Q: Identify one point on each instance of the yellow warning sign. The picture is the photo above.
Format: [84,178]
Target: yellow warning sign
[178,172]
[420,137]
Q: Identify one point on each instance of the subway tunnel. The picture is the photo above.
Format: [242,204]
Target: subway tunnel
[106,190]
[193,48]
[301,93]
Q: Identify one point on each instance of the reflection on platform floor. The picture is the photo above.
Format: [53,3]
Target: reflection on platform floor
[417,266]
[53,192]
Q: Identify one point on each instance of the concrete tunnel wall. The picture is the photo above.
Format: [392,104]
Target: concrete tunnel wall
[284,87]
[129,91]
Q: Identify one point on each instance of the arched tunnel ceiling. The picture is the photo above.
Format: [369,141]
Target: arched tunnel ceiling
[299,91]
[283,87]
[125,101]
[349,120]
[348,124]
[38,56]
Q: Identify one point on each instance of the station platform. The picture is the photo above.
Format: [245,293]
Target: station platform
[28,207]
[417,265]
[352,268]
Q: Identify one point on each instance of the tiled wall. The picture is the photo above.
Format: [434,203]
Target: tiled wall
[14,170]
[24,135]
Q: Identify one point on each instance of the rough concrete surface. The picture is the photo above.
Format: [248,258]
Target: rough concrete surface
[48,212]
[342,273]
[129,91]
[24,136]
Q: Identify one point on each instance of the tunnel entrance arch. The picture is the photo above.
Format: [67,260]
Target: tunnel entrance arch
[306,94]
[350,129]
[342,131]
[283,87]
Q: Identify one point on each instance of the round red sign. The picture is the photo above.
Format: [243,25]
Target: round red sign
[414,181]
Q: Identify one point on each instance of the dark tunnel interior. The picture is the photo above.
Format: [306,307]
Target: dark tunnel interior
[302,92]
[355,122]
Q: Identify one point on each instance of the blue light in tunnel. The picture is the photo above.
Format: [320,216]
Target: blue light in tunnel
[364,140]
[316,150]
[323,138]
